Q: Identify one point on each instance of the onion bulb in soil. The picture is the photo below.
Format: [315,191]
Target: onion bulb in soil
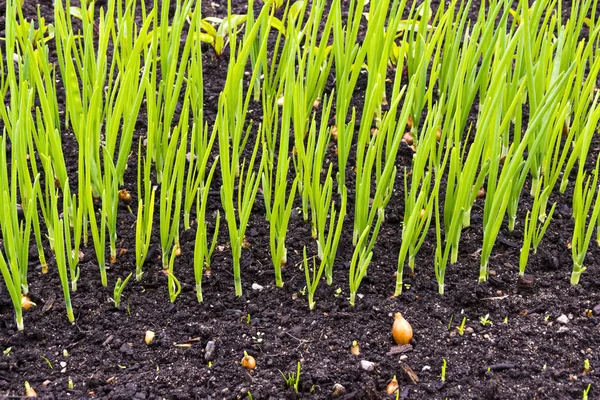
[355,349]
[149,337]
[125,197]
[29,392]
[26,303]
[248,361]
[392,387]
[401,330]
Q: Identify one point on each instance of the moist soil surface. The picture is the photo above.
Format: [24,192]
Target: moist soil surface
[534,346]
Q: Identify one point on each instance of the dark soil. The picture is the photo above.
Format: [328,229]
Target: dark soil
[524,353]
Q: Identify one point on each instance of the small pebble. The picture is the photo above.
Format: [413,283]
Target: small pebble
[209,351]
[426,368]
[367,365]
[597,309]
[563,319]
[256,286]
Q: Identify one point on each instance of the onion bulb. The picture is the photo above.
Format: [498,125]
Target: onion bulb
[481,193]
[248,361]
[125,196]
[26,303]
[334,132]
[401,330]
[565,130]
[392,387]
[355,349]
[29,392]
[149,337]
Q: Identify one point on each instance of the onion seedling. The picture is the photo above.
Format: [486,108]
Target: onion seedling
[110,202]
[12,276]
[73,218]
[247,190]
[309,155]
[21,134]
[532,232]
[163,96]
[443,374]
[230,125]
[145,214]
[419,200]
[512,168]
[15,231]
[171,191]
[61,260]
[349,58]
[583,197]
[98,232]
[119,287]
[281,208]
[328,246]
[202,251]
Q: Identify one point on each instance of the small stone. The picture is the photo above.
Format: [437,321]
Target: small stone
[338,390]
[367,365]
[563,329]
[469,330]
[563,319]
[596,309]
[403,357]
[426,368]
[63,364]
[209,351]
[256,286]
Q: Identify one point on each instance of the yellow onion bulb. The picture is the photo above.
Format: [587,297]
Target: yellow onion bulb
[401,330]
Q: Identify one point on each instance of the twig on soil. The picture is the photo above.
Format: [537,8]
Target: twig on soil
[302,341]
[496,298]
